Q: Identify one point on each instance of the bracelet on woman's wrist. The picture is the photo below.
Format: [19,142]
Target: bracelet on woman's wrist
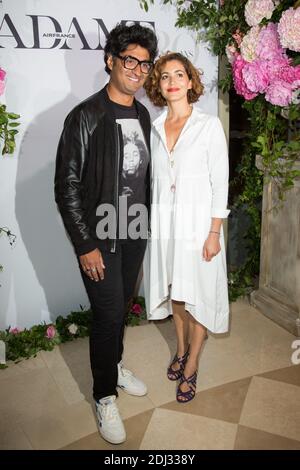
[212,231]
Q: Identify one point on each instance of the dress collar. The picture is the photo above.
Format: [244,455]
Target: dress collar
[159,122]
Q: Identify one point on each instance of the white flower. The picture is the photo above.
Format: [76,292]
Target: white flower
[249,44]
[257,10]
[289,29]
[73,328]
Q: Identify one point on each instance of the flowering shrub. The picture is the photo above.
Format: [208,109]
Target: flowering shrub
[259,63]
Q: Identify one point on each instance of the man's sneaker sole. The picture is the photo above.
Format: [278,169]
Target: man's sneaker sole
[111,441]
[138,394]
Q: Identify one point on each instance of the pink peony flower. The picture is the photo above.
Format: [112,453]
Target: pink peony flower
[249,44]
[279,93]
[290,74]
[289,29]
[14,331]
[255,75]
[51,332]
[280,69]
[2,83]
[257,10]
[239,82]
[277,66]
[269,47]
[137,309]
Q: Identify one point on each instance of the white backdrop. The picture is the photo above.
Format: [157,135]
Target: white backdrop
[47,76]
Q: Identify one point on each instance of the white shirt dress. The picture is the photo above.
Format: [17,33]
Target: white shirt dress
[189,187]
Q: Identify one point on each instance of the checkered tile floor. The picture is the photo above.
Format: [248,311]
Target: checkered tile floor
[248,393]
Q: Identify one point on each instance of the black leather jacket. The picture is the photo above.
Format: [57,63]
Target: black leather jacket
[88,166]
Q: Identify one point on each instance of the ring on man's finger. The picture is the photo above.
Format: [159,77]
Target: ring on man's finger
[94,269]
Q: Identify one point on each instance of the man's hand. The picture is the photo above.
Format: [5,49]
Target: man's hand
[92,264]
[211,246]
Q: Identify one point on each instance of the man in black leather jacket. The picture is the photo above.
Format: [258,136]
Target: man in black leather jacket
[89,183]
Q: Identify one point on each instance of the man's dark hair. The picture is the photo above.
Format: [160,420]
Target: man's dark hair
[122,36]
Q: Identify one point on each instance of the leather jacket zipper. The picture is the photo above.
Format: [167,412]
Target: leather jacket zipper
[116,130]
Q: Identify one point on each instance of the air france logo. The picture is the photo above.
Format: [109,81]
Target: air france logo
[46,32]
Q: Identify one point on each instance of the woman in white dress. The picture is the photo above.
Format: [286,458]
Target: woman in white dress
[185,266]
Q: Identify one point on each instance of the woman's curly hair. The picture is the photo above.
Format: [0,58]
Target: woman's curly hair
[152,86]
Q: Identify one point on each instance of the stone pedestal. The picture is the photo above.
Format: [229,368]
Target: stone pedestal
[278,296]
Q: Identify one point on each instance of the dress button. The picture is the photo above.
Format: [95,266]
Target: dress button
[173,187]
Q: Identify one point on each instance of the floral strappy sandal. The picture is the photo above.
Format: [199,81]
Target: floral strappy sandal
[184,397]
[176,374]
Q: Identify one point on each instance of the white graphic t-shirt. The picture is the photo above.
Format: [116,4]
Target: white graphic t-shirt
[135,157]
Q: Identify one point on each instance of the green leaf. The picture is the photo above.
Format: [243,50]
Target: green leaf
[13,116]
[3,119]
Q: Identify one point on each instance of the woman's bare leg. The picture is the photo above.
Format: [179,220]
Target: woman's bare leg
[197,336]
[181,321]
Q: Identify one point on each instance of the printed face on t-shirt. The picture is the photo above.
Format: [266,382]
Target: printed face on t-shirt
[131,160]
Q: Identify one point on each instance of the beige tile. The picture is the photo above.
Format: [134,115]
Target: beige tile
[69,366]
[290,375]
[54,358]
[273,407]
[58,427]
[67,384]
[148,355]
[13,438]
[26,396]
[167,330]
[135,430]
[25,365]
[224,402]
[69,353]
[240,304]
[130,405]
[255,345]
[253,439]
[170,430]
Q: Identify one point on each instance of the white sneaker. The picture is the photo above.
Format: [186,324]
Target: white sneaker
[109,420]
[129,383]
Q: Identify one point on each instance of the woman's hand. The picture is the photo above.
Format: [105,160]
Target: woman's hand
[211,246]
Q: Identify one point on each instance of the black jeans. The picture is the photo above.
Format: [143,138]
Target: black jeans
[109,299]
